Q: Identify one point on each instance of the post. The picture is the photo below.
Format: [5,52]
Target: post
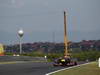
[46,58]
[20,45]
[99,62]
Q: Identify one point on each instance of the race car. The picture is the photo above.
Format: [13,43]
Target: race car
[65,62]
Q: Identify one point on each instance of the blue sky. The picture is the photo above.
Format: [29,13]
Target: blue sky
[40,19]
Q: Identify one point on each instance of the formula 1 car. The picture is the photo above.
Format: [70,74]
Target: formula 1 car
[65,62]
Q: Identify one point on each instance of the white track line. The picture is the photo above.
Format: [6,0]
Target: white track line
[68,68]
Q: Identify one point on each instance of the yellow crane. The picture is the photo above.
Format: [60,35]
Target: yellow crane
[66,60]
[66,53]
[1,50]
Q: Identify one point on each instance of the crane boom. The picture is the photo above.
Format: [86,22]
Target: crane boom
[65,37]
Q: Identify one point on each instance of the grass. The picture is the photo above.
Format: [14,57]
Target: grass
[89,69]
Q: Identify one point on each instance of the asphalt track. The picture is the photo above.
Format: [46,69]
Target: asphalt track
[27,68]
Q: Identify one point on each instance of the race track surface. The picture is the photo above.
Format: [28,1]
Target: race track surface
[29,68]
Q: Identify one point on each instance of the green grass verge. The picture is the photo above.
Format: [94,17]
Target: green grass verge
[89,69]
